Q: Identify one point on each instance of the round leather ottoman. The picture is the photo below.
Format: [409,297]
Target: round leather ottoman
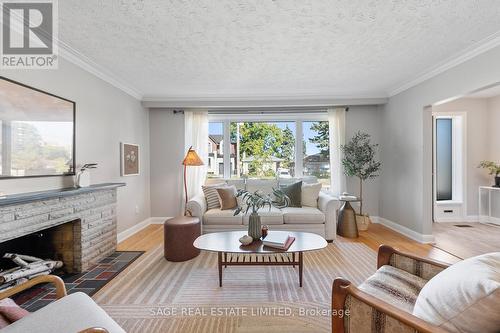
[179,235]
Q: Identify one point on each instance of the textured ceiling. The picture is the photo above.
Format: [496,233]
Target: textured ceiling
[224,48]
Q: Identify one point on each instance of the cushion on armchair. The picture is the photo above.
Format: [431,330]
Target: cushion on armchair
[465,297]
[394,286]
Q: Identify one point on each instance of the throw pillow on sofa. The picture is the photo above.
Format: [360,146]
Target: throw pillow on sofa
[211,196]
[227,197]
[294,192]
[465,297]
[310,194]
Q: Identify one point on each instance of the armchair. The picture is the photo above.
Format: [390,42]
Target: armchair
[360,310]
[70,313]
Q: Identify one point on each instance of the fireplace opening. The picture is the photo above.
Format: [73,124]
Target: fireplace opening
[55,243]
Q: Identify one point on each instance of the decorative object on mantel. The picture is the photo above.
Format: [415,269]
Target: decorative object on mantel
[129,159]
[27,268]
[246,240]
[82,178]
[359,161]
[256,201]
[493,168]
[191,159]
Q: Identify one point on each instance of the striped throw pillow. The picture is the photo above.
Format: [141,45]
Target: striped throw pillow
[211,195]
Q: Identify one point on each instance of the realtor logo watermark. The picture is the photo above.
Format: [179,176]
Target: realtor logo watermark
[29,34]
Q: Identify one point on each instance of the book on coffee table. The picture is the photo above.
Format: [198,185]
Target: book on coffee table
[278,241]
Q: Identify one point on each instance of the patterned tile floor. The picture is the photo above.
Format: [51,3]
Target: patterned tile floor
[88,282]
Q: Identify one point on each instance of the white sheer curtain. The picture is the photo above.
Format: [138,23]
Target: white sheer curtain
[196,135]
[336,120]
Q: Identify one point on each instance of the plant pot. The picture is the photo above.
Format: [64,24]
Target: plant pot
[497,181]
[254,226]
[363,222]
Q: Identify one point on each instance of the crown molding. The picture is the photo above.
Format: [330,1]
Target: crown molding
[82,61]
[262,101]
[469,53]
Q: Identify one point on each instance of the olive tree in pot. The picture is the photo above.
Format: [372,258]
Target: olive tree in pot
[493,168]
[359,161]
[256,201]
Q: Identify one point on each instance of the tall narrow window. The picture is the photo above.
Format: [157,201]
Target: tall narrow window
[316,151]
[215,161]
[444,159]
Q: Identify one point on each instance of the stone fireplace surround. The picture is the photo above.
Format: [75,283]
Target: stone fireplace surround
[92,211]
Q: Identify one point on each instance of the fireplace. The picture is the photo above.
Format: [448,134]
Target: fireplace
[55,243]
[75,225]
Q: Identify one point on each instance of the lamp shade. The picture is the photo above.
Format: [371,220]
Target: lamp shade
[192,158]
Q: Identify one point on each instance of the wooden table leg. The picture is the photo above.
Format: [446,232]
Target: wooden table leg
[225,259]
[301,267]
[220,268]
[293,257]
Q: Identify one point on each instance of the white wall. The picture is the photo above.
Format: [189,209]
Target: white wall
[406,148]
[167,153]
[494,128]
[366,119]
[478,144]
[104,117]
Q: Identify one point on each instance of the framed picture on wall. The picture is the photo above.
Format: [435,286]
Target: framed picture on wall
[129,159]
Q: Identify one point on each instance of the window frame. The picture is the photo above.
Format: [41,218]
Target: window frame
[297,118]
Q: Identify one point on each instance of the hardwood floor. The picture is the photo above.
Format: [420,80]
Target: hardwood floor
[467,239]
[377,235]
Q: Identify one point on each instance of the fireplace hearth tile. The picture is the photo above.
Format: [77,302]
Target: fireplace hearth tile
[88,282]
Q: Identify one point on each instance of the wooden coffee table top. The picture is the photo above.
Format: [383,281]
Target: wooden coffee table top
[229,242]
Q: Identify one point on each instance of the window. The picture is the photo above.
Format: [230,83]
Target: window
[270,146]
[215,153]
[263,149]
[444,159]
[316,151]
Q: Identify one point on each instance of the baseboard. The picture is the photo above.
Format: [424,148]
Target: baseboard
[159,220]
[403,230]
[133,230]
[138,227]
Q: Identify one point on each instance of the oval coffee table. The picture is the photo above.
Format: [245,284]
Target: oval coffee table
[231,253]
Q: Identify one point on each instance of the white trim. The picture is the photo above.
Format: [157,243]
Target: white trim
[469,53]
[133,230]
[85,63]
[159,219]
[421,238]
[139,226]
[222,102]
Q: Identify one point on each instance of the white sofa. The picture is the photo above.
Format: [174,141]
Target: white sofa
[321,220]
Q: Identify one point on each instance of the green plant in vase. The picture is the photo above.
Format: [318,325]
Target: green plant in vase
[493,168]
[253,202]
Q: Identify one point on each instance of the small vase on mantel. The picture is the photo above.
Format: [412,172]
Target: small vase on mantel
[497,181]
[254,226]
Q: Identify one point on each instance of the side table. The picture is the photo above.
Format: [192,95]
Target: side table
[346,221]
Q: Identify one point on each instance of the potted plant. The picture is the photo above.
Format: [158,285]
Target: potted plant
[494,169]
[359,161]
[256,201]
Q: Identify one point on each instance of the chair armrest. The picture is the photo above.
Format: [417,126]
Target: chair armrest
[342,289]
[56,280]
[197,206]
[329,205]
[423,267]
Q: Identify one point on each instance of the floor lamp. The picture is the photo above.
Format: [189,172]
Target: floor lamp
[191,159]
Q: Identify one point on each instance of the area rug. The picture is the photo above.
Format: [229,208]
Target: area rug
[88,282]
[154,295]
